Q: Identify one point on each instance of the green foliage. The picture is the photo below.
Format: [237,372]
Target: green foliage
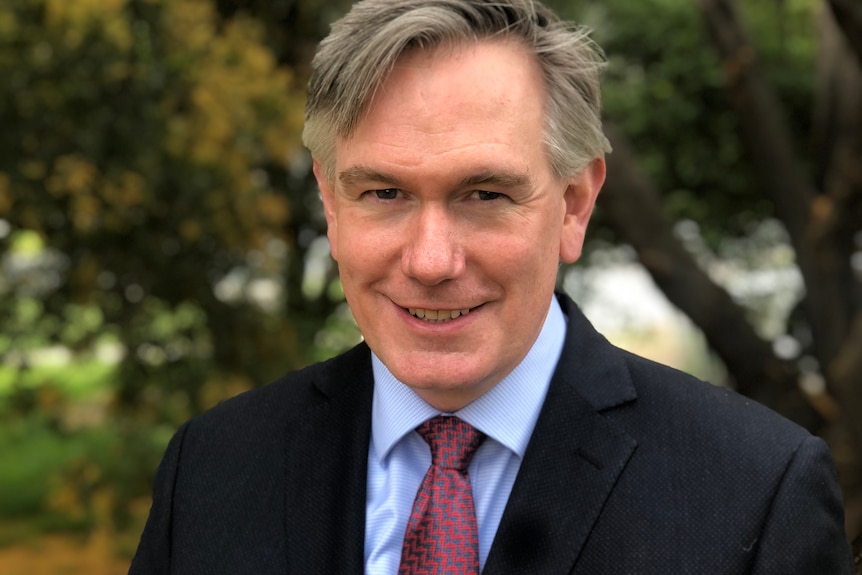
[666,88]
[81,380]
[155,210]
[57,477]
[29,454]
[65,462]
[142,161]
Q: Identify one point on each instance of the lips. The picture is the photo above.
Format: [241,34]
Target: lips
[437,315]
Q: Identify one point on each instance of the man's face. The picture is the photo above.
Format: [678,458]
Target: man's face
[447,221]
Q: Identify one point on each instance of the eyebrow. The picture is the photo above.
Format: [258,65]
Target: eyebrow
[357,174]
[498,178]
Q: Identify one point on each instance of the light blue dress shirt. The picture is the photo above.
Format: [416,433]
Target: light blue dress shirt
[398,457]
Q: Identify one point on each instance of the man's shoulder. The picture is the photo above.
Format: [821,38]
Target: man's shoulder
[696,412]
[677,420]
[290,395]
[650,398]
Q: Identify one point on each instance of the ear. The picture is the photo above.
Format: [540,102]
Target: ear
[327,194]
[580,198]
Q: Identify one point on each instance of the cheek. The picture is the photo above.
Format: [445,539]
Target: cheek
[362,250]
[534,245]
[523,260]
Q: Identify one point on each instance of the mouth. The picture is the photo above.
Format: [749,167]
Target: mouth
[437,315]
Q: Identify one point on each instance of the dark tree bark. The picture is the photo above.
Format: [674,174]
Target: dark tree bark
[822,211]
[811,216]
[838,110]
[766,136]
[848,14]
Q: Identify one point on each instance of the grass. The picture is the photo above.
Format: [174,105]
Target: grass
[67,464]
[77,380]
[30,455]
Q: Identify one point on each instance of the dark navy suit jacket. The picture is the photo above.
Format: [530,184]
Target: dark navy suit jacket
[633,468]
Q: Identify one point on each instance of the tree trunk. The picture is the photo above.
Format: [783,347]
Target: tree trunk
[838,120]
[634,209]
[821,212]
[803,211]
[848,14]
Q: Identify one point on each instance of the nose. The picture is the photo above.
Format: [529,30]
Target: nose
[433,253]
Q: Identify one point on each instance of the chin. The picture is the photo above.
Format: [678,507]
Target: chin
[432,381]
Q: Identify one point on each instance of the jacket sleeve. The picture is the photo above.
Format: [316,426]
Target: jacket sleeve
[153,556]
[804,531]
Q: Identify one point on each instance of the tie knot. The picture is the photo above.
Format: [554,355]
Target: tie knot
[453,442]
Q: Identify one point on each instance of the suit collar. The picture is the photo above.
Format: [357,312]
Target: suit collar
[326,467]
[601,375]
[574,459]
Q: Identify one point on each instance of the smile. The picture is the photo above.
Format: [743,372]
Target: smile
[437,315]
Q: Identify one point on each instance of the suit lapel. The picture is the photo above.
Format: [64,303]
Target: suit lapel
[571,465]
[573,461]
[326,467]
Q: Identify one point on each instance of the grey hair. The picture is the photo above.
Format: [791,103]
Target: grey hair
[363,46]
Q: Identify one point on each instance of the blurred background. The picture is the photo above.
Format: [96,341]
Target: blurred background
[162,246]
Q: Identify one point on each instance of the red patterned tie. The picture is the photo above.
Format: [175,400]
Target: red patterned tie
[441,536]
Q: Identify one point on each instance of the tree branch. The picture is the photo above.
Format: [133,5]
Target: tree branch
[846,370]
[838,131]
[768,140]
[634,209]
[761,118]
[848,15]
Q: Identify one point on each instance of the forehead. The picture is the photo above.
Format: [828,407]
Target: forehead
[462,78]
[454,98]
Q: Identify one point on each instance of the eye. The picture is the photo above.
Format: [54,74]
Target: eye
[386,194]
[488,196]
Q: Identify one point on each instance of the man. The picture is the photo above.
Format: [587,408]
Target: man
[458,149]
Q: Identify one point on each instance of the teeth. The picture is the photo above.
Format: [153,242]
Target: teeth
[437,315]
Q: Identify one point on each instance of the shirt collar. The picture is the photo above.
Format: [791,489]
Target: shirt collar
[506,413]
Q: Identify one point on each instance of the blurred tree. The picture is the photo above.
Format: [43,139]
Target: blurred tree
[146,151]
[292,30]
[293,27]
